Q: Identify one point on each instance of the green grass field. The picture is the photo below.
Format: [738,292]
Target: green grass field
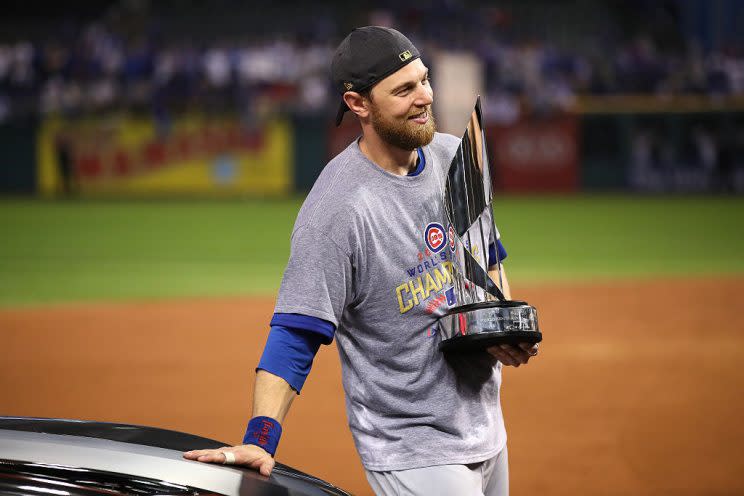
[108,250]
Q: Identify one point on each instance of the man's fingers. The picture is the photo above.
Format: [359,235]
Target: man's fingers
[211,458]
[194,454]
[214,456]
[530,348]
[520,354]
[511,355]
[517,355]
[265,466]
[257,459]
[246,455]
[210,455]
[502,356]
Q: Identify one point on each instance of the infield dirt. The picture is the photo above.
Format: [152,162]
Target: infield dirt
[637,389]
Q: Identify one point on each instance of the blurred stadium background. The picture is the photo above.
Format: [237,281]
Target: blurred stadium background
[157,152]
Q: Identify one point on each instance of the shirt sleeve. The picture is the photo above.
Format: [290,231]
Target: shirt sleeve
[318,279]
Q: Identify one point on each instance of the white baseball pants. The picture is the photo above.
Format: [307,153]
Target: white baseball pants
[488,478]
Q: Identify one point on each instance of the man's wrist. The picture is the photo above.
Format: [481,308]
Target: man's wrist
[263,432]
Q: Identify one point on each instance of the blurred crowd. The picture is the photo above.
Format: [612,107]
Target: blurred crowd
[101,71]
[98,66]
[706,159]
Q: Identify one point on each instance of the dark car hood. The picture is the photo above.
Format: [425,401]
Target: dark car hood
[146,452]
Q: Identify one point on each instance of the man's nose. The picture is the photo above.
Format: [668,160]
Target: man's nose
[425,96]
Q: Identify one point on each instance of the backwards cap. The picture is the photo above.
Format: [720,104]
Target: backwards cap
[365,57]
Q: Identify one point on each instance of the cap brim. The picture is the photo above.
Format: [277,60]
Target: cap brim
[341,111]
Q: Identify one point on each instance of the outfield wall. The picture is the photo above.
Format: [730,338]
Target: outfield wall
[699,150]
[18,157]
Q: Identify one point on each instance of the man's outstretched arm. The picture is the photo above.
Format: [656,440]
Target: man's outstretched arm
[272,397]
[286,361]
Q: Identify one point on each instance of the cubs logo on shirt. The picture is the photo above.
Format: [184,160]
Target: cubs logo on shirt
[435,237]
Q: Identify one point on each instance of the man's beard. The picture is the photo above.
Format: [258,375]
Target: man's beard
[406,135]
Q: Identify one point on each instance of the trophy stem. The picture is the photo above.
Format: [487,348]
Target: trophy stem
[468,189]
[483,243]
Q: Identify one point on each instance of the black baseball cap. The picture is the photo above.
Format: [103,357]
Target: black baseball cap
[366,56]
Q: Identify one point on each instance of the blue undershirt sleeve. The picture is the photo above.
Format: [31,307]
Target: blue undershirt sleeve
[305,322]
[492,253]
[289,354]
[292,344]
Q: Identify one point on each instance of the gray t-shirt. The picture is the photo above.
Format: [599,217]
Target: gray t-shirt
[369,256]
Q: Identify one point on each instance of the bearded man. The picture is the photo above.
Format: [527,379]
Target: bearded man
[361,270]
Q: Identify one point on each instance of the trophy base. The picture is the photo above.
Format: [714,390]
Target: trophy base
[475,342]
[481,325]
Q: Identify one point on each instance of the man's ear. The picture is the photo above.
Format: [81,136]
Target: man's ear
[357,103]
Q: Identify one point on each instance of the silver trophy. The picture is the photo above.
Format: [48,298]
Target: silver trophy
[480,316]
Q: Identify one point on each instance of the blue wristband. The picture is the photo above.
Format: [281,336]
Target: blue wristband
[264,432]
